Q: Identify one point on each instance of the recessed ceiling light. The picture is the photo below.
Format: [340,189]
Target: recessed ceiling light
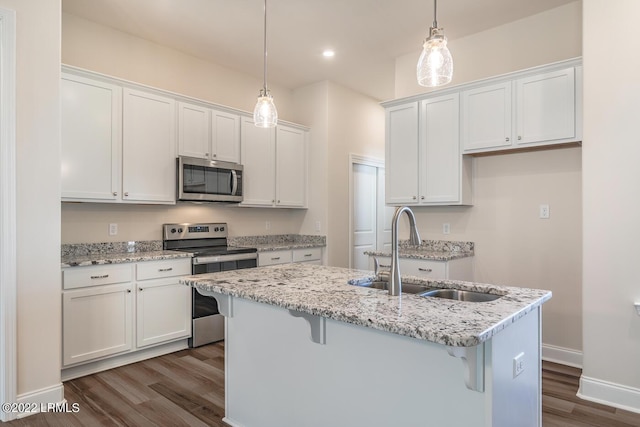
[328,53]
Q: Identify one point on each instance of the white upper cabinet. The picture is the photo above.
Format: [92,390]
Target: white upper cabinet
[259,162]
[486,117]
[537,109]
[291,167]
[444,179]
[401,154]
[91,139]
[275,166]
[423,164]
[207,133]
[546,107]
[148,147]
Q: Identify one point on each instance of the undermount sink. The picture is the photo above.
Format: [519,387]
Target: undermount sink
[407,288]
[458,295]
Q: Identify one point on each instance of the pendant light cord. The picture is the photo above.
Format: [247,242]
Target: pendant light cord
[265,47]
[435,13]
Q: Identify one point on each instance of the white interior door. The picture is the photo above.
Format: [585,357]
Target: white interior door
[370,218]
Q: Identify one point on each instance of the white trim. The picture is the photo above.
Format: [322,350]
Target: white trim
[610,394]
[360,160]
[564,356]
[44,396]
[8,276]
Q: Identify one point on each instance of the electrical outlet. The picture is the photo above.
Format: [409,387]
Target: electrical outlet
[267,225]
[544,212]
[518,365]
[446,228]
[113,229]
[318,226]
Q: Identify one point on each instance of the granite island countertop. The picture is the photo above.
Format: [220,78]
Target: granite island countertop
[434,250]
[324,291]
[85,254]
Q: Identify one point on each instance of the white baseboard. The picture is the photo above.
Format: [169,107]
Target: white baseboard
[564,356]
[44,396]
[124,359]
[611,394]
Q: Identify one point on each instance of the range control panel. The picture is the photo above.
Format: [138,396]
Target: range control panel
[184,231]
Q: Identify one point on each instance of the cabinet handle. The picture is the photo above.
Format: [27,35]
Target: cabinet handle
[126,194]
[104,276]
[115,193]
[426,270]
[308,255]
[519,137]
[384,266]
[507,139]
[275,259]
[165,269]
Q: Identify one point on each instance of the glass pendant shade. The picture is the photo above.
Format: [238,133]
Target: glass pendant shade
[265,115]
[435,66]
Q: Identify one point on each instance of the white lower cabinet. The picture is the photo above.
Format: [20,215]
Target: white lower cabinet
[455,269]
[97,322]
[287,256]
[101,319]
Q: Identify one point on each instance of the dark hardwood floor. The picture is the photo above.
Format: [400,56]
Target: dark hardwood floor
[187,389]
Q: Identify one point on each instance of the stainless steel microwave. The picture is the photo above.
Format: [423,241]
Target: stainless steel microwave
[208,180]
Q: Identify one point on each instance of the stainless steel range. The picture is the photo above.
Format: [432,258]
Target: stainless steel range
[208,243]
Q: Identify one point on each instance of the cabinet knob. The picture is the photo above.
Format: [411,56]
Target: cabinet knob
[278,201]
[421,197]
[273,201]
[126,194]
[519,137]
[115,193]
[507,139]
[206,154]
[128,291]
[140,289]
[215,155]
[415,198]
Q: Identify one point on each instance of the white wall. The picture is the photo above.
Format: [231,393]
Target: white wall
[513,246]
[611,175]
[38,200]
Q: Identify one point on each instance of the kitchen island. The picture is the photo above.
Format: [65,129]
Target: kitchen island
[304,347]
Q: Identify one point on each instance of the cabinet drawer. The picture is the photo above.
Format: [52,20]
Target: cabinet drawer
[274,257]
[311,254]
[423,268]
[82,277]
[166,268]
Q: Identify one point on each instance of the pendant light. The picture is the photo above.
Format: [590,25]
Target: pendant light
[265,114]
[435,66]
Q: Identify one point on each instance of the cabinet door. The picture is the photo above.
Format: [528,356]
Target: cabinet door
[291,167]
[440,173]
[91,139]
[225,140]
[96,322]
[193,130]
[258,158]
[163,311]
[546,108]
[149,136]
[486,117]
[401,159]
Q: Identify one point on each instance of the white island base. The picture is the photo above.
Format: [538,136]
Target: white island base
[285,371]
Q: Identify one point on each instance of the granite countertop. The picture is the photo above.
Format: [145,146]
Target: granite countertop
[324,291]
[278,242]
[435,250]
[84,254]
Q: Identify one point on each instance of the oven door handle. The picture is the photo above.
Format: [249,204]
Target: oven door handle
[234,182]
[222,258]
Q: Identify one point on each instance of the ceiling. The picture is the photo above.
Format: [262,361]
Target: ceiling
[367,35]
